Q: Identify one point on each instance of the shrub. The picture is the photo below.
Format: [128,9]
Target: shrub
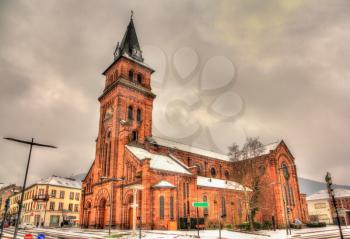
[229,226]
[244,226]
[316,224]
[295,226]
[267,225]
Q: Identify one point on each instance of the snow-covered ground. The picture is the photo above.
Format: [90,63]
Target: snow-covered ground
[329,232]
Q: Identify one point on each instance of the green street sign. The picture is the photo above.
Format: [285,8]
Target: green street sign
[200,204]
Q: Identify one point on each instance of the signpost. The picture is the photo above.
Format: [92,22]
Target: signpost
[198,205]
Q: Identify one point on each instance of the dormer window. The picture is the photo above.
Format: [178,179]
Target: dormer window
[139,78]
[138,116]
[130,113]
[213,172]
[134,136]
[131,75]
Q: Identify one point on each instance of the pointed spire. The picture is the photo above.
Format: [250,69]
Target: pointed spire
[130,44]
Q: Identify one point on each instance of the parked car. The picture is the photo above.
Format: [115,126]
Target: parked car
[25,226]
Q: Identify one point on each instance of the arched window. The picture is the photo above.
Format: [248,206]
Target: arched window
[161,207]
[131,75]
[285,171]
[138,116]
[213,172]
[205,210]
[199,169]
[227,174]
[171,206]
[130,113]
[223,207]
[139,78]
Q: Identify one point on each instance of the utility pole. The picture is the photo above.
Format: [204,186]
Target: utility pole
[7,205]
[328,179]
[31,143]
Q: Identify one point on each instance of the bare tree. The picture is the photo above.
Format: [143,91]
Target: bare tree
[252,148]
[234,152]
[247,175]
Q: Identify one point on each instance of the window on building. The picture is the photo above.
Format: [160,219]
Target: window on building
[320,205]
[161,207]
[130,112]
[134,135]
[205,210]
[52,206]
[61,194]
[184,208]
[227,174]
[41,191]
[131,75]
[70,207]
[199,169]
[71,195]
[184,190]
[53,193]
[213,172]
[138,116]
[171,206]
[60,206]
[77,196]
[76,208]
[223,207]
[139,78]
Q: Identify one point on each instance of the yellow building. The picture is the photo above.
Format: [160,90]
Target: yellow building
[49,202]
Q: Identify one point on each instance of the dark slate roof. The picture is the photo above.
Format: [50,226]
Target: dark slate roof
[130,44]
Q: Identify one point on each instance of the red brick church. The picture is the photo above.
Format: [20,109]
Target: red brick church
[163,177]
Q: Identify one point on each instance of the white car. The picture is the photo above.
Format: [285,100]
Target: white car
[25,226]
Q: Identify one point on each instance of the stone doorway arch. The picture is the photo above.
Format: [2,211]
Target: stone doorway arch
[101,213]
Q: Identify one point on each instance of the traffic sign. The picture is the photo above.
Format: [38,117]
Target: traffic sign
[28,236]
[41,236]
[200,204]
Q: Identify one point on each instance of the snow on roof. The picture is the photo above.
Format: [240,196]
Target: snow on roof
[264,150]
[158,161]
[191,149]
[219,183]
[163,184]
[60,181]
[188,148]
[323,194]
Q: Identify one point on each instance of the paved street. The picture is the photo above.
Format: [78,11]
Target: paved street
[330,232]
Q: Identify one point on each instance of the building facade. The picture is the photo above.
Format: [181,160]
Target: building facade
[49,202]
[321,208]
[172,175]
[6,192]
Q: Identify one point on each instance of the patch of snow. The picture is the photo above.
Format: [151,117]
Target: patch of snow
[60,181]
[219,183]
[323,194]
[163,184]
[158,161]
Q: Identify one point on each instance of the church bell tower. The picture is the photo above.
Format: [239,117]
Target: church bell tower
[125,104]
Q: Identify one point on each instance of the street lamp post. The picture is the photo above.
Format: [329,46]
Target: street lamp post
[31,143]
[111,200]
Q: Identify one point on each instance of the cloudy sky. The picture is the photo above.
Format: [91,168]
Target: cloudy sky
[225,70]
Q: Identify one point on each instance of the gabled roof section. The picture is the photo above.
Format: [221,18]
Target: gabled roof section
[189,148]
[158,161]
[219,183]
[264,150]
[163,184]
